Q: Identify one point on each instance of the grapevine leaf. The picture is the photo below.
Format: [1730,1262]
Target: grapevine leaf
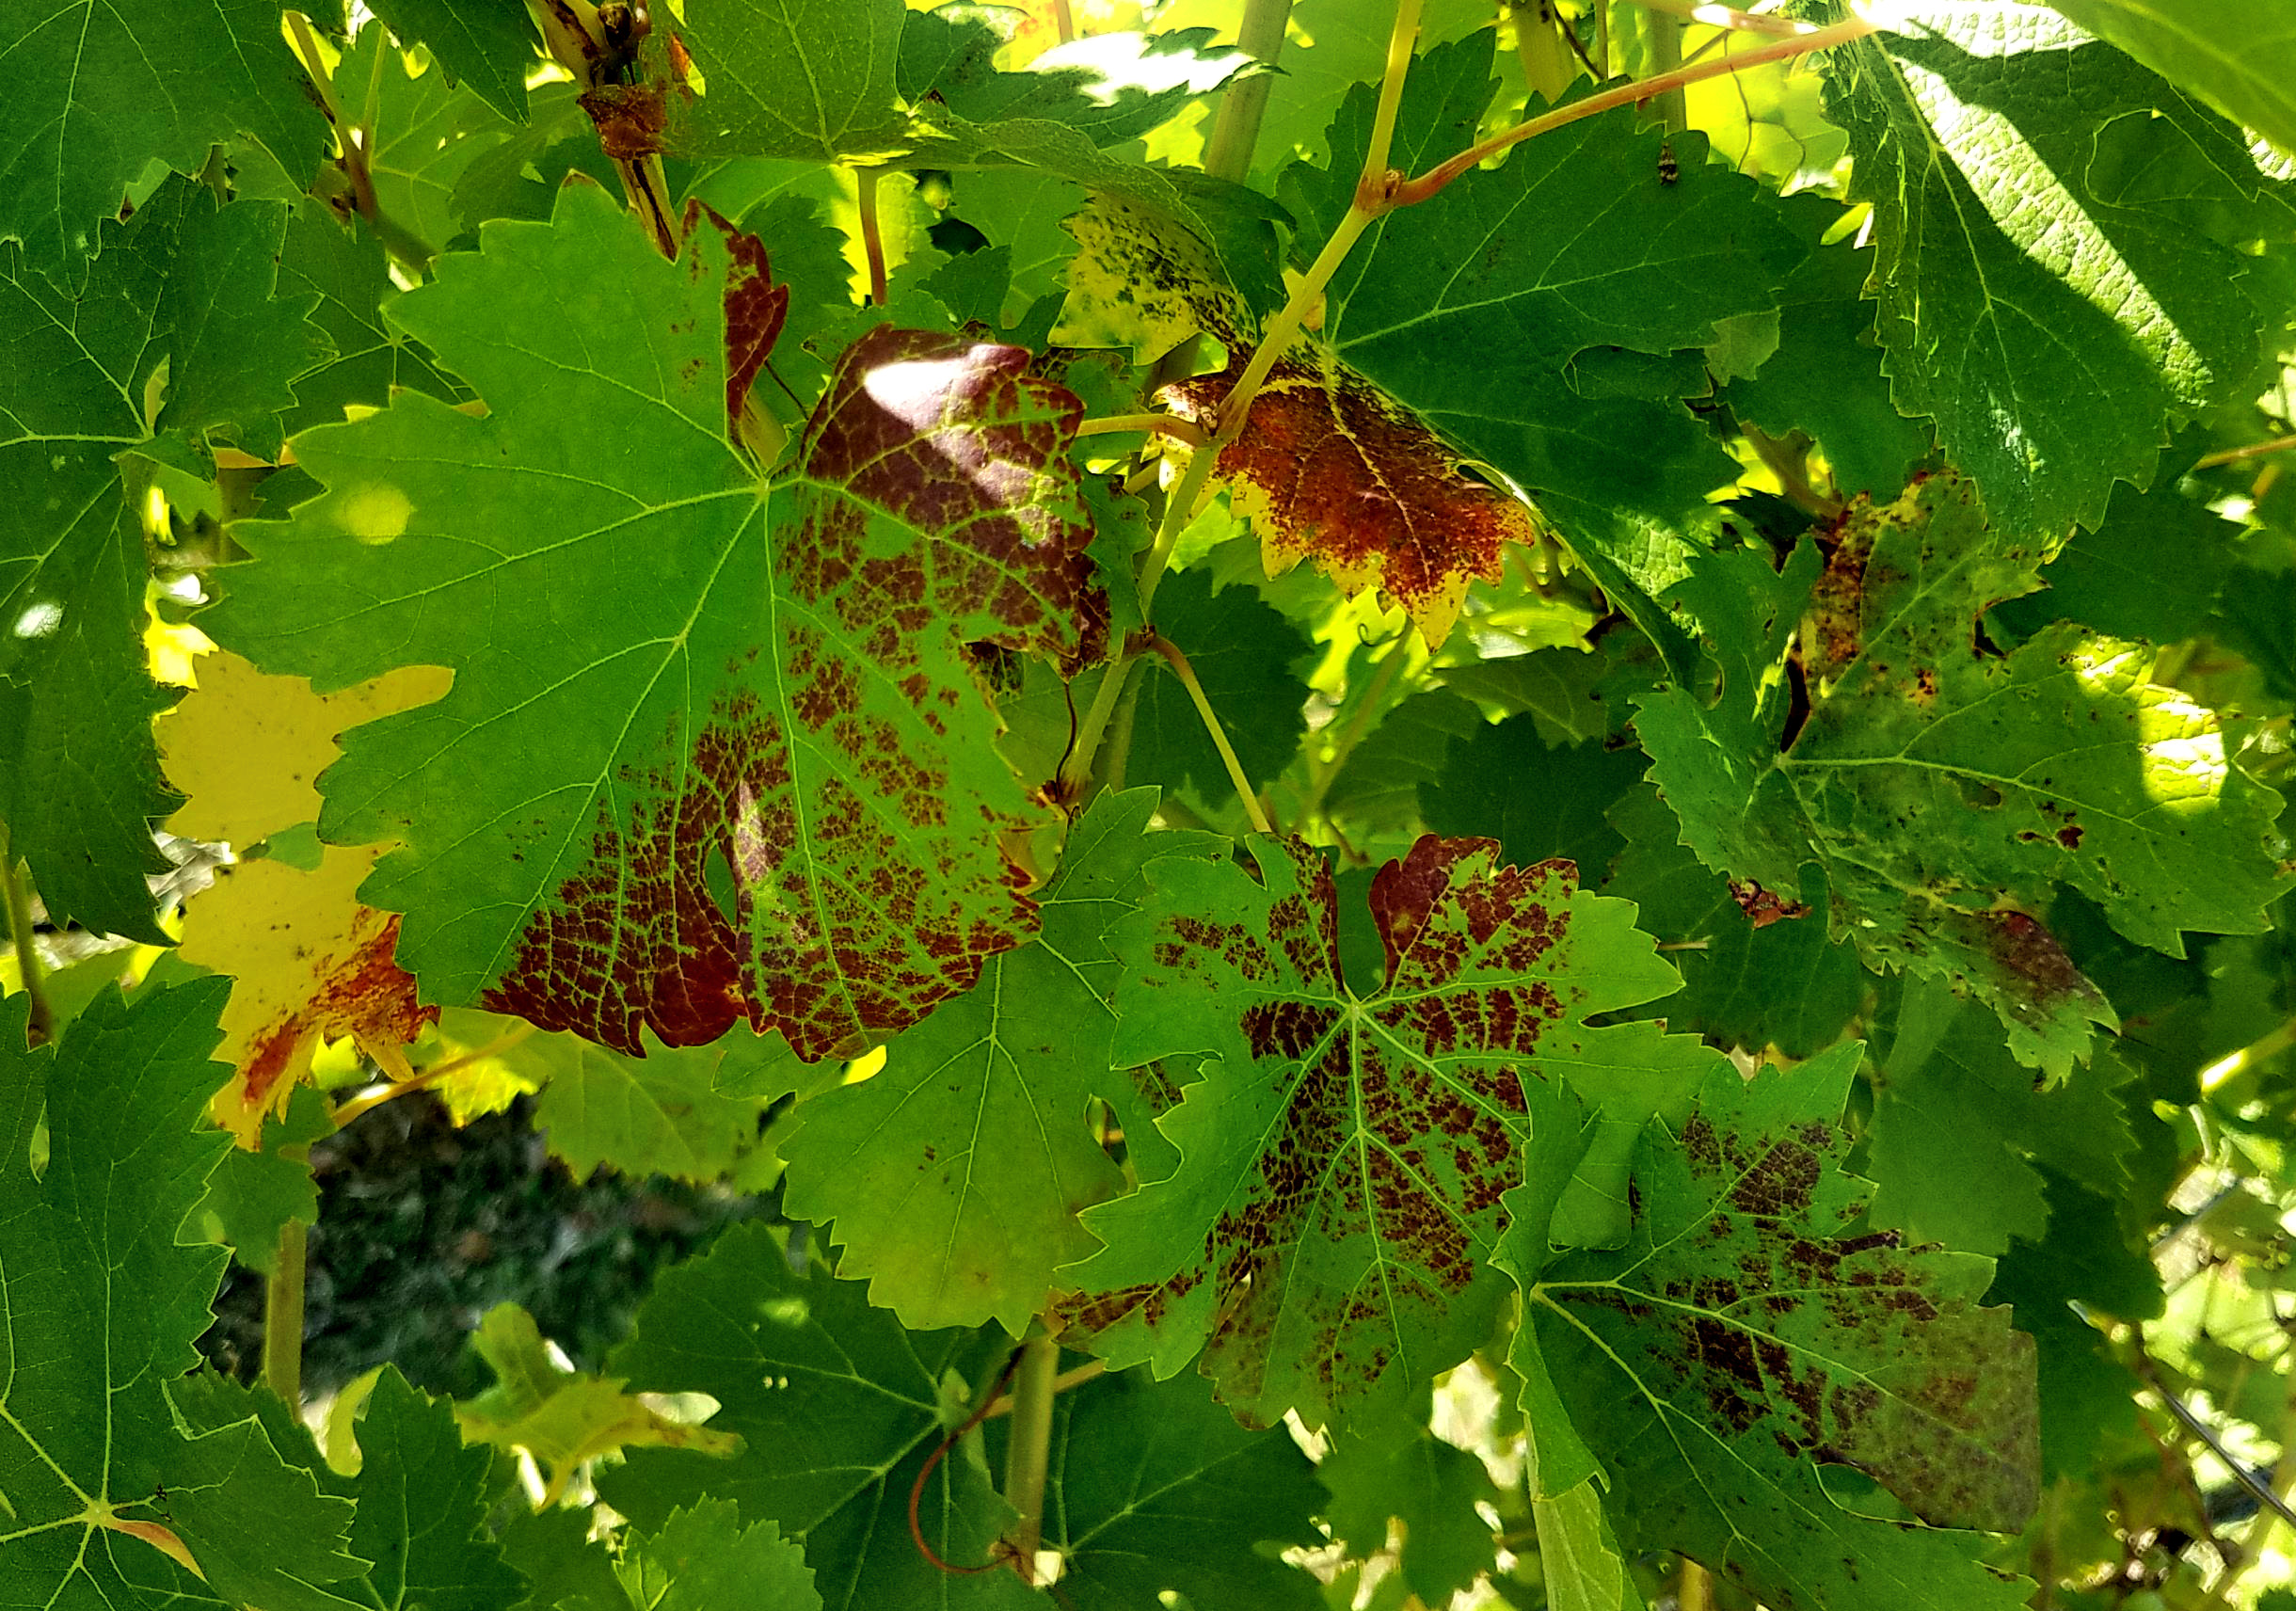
[2015,299]
[838,1408]
[564,1417]
[1579,1554]
[343,269]
[663,1114]
[235,349]
[100,1304]
[563,1569]
[2237,55]
[310,961]
[1481,788]
[1161,1492]
[812,79]
[1785,981]
[1330,466]
[421,1503]
[1959,1135]
[253,1194]
[1931,781]
[1751,1328]
[487,44]
[1386,777]
[1825,376]
[2114,580]
[704,1560]
[1342,1159]
[79,780]
[1550,314]
[1248,658]
[956,1174]
[1407,1472]
[1350,48]
[757,777]
[247,747]
[1110,87]
[93,102]
[427,133]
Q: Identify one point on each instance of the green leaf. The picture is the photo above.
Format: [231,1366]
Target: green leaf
[253,1195]
[1387,776]
[1931,781]
[1481,791]
[101,1303]
[564,1417]
[1579,1555]
[1247,659]
[1341,1158]
[1958,1131]
[344,270]
[1826,377]
[704,1560]
[1403,1471]
[723,785]
[789,78]
[1751,1328]
[666,1112]
[956,1174]
[235,349]
[2152,570]
[563,1569]
[2050,330]
[838,1408]
[95,103]
[427,133]
[1787,984]
[488,44]
[2240,55]
[421,1503]
[1108,87]
[1161,1492]
[1647,268]
[76,702]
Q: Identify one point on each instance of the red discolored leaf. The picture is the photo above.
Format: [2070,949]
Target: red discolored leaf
[842,789]
[1343,1158]
[755,306]
[1765,907]
[629,118]
[1331,467]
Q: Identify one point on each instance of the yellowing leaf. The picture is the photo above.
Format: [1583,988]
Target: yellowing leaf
[247,747]
[563,1417]
[308,960]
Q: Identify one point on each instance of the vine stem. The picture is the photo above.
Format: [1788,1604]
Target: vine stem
[40,1024]
[2254,450]
[872,239]
[1060,1383]
[1412,191]
[1029,1448]
[283,1318]
[1723,17]
[1170,424]
[354,134]
[1187,673]
[429,1077]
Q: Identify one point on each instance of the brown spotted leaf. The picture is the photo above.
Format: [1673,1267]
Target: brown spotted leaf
[1755,1327]
[1341,1158]
[713,749]
[1948,789]
[755,308]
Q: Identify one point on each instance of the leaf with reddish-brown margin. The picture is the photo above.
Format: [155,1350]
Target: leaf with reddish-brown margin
[714,749]
[755,306]
[1754,1328]
[1331,467]
[1341,1158]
